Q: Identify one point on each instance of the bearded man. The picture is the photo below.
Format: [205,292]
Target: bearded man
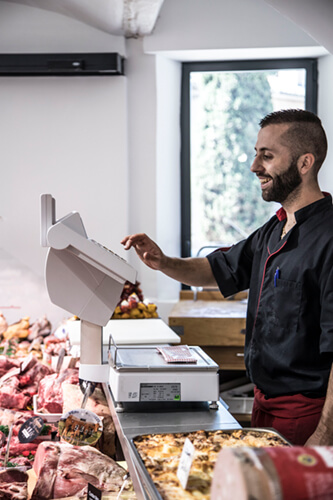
[287,265]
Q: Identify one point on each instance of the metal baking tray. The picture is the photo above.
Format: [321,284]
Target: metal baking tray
[147,479]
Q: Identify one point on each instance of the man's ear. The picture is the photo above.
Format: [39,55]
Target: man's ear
[305,163]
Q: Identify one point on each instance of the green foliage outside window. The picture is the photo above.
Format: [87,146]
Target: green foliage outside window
[226,196]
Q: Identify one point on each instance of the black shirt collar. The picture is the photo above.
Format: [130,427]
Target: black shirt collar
[305,212]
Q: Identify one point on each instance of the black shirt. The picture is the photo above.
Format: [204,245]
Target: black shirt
[289,325]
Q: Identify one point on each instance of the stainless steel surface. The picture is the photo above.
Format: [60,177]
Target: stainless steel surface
[156,418]
[181,417]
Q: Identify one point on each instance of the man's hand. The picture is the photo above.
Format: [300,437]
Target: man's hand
[148,251]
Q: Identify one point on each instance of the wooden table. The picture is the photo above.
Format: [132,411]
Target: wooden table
[213,323]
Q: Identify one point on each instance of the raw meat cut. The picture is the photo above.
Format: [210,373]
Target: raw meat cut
[12,397]
[18,385]
[13,484]
[50,390]
[6,364]
[53,345]
[64,470]
[41,327]
[15,419]
[16,447]
[33,374]
[45,467]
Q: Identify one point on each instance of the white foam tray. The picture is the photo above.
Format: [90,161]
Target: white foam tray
[48,417]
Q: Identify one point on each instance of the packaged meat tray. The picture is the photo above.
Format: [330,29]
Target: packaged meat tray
[158,458]
[48,417]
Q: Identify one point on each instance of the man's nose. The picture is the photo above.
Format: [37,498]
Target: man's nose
[255,165]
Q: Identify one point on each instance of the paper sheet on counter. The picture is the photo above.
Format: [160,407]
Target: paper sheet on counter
[129,331]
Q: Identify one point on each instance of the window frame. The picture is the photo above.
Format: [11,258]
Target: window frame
[311,102]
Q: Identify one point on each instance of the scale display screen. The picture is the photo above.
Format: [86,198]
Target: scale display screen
[160,392]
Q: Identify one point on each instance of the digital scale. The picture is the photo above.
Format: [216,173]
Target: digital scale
[87,279]
[140,374]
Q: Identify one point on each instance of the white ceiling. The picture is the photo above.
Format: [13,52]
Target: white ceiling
[137,18]
[129,18]
[315,17]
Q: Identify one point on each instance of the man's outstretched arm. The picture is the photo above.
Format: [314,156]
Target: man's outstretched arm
[191,271]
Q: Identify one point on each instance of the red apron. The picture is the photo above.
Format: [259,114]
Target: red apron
[295,417]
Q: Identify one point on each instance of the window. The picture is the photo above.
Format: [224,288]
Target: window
[222,104]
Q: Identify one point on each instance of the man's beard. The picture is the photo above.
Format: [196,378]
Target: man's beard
[284,184]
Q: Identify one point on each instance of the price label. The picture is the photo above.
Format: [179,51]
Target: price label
[80,427]
[93,493]
[30,429]
[185,463]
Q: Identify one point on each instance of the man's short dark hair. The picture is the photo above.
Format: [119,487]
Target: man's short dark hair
[305,134]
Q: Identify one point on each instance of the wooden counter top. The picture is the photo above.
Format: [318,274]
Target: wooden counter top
[209,322]
[218,326]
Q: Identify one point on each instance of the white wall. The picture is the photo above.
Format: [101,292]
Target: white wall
[325,111]
[168,231]
[64,136]
[154,153]
[67,137]
[110,147]
[28,29]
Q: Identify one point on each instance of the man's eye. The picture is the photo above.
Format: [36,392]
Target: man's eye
[267,157]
